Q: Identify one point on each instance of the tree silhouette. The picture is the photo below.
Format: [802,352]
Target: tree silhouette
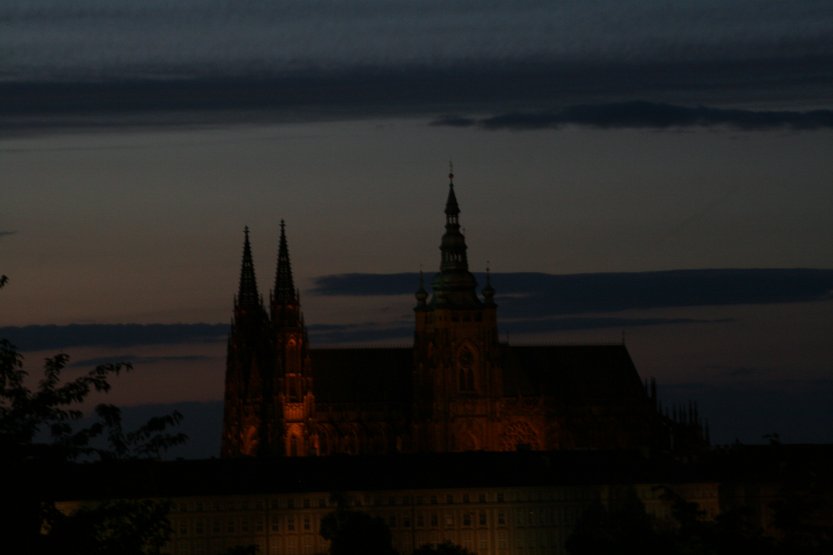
[40,429]
[353,532]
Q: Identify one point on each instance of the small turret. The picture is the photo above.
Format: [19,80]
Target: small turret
[421,294]
[488,291]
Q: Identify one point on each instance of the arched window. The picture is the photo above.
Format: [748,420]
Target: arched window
[465,363]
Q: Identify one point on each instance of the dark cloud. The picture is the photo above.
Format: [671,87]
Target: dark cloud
[543,325]
[52,337]
[522,96]
[403,331]
[530,295]
[193,62]
[100,39]
[650,115]
[135,360]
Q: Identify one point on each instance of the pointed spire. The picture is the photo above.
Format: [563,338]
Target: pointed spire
[488,291]
[285,292]
[452,209]
[247,296]
[453,245]
[454,285]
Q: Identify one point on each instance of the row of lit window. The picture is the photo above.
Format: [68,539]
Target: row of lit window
[309,523]
[432,520]
[447,499]
[324,501]
[218,526]
[246,504]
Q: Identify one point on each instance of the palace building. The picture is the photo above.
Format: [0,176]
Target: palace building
[458,388]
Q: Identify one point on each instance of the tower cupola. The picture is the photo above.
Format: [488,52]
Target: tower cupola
[454,285]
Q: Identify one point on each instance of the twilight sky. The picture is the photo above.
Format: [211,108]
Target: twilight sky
[614,161]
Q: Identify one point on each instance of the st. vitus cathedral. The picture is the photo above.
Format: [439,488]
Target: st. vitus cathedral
[457,389]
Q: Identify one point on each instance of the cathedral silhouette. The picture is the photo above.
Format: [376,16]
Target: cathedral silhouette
[457,389]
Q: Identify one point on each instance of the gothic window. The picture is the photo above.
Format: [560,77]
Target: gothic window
[466,370]
[292,356]
[250,441]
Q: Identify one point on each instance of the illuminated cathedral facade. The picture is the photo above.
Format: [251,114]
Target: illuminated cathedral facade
[458,388]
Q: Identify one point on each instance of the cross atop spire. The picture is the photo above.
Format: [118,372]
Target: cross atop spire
[247,296]
[284,285]
[452,209]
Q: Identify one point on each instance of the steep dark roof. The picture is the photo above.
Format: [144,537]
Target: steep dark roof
[362,375]
[580,373]
[571,373]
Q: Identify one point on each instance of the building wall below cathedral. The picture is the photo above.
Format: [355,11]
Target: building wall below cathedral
[484,520]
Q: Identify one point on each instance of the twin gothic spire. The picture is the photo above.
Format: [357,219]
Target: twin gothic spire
[284,293]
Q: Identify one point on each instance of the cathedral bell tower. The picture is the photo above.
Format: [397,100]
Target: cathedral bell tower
[457,375]
[294,373]
[249,393]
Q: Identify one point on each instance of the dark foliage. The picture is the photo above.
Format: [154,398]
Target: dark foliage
[40,429]
[128,527]
[801,527]
[356,532]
